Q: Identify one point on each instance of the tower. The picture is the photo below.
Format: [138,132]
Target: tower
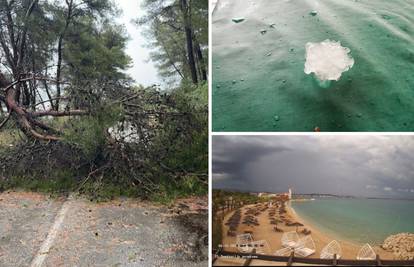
[290,194]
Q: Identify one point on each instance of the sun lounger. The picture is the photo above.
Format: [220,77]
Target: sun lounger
[290,239]
[243,241]
[231,233]
[261,246]
[333,248]
[366,253]
[283,252]
[305,247]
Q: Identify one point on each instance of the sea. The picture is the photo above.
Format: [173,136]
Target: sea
[358,220]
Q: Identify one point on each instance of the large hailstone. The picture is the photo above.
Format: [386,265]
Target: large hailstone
[327,60]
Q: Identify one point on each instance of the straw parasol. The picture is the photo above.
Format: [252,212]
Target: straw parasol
[297,224]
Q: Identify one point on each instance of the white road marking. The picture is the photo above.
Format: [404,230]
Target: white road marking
[51,236]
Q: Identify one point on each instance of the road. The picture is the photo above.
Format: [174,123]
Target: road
[37,230]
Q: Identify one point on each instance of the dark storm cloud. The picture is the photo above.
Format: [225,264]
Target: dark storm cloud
[243,152]
[232,156]
[347,165]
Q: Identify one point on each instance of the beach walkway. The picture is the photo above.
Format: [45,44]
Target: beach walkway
[36,230]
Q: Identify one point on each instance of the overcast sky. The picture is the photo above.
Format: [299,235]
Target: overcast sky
[376,166]
[142,71]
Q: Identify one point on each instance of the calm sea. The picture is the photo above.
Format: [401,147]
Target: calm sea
[358,220]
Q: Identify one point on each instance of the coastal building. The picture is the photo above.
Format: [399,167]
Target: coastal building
[268,195]
[285,195]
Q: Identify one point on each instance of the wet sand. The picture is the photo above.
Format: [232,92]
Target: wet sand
[265,232]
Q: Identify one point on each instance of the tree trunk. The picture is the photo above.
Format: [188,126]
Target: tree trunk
[18,94]
[59,51]
[188,36]
[202,64]
[170,59]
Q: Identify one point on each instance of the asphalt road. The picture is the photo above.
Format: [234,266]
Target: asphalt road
[36,230]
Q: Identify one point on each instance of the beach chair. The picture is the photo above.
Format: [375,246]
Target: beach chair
[330,250]
[366,253]
[261,246]
[290,239]
[243,241]
[283,252]
[305,247]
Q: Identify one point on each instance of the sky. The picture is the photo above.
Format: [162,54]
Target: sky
[142,71]
[370,166]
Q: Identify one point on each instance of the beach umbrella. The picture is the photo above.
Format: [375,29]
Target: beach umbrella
[306,231]
[297,224]
[277,229]
[278,221]
[249,230]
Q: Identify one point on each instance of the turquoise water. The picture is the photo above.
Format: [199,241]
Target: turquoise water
[358,220]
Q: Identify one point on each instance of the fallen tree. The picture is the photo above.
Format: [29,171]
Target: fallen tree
[27,119]
[79,122]
[144,143]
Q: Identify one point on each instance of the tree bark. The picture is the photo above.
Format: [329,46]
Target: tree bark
[185,9]
[59,51]
[201,64]
[26,120]
[170,59]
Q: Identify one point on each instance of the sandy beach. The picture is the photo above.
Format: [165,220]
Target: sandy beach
[264,231]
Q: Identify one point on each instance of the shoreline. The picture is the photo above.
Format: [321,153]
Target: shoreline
[363,236]
[349,248]
[319,229]
[264,231]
